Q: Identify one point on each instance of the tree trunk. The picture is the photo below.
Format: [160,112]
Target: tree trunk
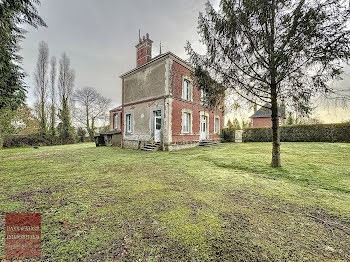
[276,159]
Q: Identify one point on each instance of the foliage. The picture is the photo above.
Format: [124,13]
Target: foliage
[215,204]
[290,119]
[6,127]
[302,133]
[52,127]
[65,128]
[13,14]
[274,50]
[213,92]
[81,132]
[25,140]
[25,122]
[227,135]
[65,86]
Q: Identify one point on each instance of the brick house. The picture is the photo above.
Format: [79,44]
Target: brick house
[161,105]
[262,117]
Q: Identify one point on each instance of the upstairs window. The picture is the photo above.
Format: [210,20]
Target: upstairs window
[203,97]
[128,124]
[186,90]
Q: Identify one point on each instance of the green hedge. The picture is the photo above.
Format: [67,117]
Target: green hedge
[302,133]
[227,135]
[33,140]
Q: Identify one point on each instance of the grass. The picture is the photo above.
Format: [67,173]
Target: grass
[200,204]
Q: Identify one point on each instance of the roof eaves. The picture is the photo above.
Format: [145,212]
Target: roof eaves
[183,62]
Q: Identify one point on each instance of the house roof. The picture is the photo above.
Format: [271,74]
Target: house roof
[157,58]
[118,108]
[264,112]
[111,132]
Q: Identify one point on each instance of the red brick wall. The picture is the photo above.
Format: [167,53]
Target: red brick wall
[262,122]
[178,72]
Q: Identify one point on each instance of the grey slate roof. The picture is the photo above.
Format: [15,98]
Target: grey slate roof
[265,112]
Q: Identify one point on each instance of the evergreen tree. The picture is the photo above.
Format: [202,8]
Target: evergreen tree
[290,119]
[229,124]
[274,50]
[13,14]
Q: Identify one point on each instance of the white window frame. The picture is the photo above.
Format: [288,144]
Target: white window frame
[202,97]
[187,95]
[216,128]
[115,121]
[186,113]
[128,126]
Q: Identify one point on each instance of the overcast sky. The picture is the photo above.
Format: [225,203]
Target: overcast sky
[100,38]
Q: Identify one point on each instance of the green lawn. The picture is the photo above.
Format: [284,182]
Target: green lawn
[222,203]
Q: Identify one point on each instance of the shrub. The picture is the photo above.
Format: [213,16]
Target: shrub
[302,133]
[81,134]
[25,140]
[227,135]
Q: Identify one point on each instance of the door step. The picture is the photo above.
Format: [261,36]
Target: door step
[151,147]
[209,143]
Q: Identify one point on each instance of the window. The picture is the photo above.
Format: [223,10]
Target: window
[186,122]
[186,90]
[203,97]
[115,121]
[217,125]
[128,120]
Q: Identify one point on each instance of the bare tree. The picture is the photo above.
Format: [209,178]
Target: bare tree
[41,83]
[92,107]
[53,74]
[66,79]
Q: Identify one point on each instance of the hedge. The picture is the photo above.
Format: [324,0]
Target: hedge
[302,133]
[227,135]
[32,140]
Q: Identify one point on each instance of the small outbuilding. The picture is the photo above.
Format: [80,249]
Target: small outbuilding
[262,117]
[110,138]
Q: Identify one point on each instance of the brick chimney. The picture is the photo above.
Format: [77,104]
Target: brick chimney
[144,50]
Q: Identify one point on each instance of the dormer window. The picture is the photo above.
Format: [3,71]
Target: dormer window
[186,94]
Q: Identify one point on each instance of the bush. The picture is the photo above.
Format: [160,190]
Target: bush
[302,133]
[227,135]
[34,140]
[25,140]
[81,134]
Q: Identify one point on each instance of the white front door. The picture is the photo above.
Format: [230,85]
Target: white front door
[203,123]
[157,125]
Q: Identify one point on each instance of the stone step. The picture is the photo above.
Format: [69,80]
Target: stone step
[209,143]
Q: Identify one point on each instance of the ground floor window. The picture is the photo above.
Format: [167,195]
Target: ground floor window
[217,125]
[115,123]
[128,119]
[186,122]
